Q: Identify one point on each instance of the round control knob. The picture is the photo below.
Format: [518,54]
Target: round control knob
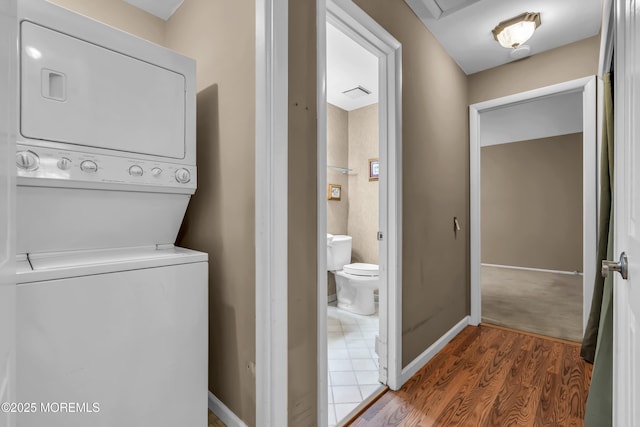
[135,170]
[27,160]
[89,166]
[156,172]
[183,176]
[64,164]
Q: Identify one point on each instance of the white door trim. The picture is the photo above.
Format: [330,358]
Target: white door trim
[8,131]
[271,222]
[322,288]
[587,86]
[354,22]
[606,38]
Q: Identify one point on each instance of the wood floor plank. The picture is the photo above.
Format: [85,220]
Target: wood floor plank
[572,376]
[545,414]
[485,360]
[515,405]
[436,384]
[536,362]
[483,387]
[547,382]
[490,377]
[475,409]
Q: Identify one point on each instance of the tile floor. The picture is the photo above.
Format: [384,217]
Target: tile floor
[353,362]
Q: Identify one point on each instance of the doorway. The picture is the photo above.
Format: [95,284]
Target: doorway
[570,274]
[365,172]
[352,222]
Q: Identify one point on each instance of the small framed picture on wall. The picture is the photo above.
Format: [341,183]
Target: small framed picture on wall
[374,169]
[335,192]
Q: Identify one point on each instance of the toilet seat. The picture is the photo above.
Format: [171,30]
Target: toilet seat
[362,269]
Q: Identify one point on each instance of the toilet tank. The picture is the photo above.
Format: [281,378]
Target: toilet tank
[338,252]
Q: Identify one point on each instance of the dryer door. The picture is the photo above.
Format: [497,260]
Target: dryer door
[80,93]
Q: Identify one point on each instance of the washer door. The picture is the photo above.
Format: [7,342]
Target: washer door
[128,349]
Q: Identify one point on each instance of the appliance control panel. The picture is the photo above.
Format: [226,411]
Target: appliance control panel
[64,165]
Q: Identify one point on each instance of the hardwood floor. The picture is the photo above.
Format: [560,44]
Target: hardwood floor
[215,421]
[489,376]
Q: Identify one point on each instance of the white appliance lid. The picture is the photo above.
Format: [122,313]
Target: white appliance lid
[74,259]
[362,269]
[61,265]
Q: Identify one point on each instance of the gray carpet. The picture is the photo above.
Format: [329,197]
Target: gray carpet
[543,303]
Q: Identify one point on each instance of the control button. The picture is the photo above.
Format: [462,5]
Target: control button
[89,166]
[27,160]
[135,170]
[183,176]
[156,172]
[64,163]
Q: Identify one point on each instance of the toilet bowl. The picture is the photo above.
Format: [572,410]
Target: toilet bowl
[355,283]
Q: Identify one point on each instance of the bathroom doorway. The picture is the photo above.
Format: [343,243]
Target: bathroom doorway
[352,224]
[358,211]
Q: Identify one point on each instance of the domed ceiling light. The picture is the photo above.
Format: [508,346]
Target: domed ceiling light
[516,31]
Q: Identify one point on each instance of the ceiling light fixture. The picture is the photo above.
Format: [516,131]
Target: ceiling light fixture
[515,31]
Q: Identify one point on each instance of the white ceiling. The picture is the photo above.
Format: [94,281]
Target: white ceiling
[463,27]
[349,65]
[540,118]
[161,8]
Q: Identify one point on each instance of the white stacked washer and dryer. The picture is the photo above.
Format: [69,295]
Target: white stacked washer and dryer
[111,316]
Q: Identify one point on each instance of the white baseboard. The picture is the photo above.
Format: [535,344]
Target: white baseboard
[225,414]
[419,362]
[542,270]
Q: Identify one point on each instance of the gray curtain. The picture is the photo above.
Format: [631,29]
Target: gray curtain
[597,345]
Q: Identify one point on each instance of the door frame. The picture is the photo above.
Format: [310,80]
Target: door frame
[587,86]
[271,219]
[8,130]
[354,22]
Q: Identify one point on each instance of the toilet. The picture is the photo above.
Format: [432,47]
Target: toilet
[356,282]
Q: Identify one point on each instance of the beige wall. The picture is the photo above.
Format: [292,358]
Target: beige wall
[435,174]
[120,15]
[532,203]
[337,155]
[220,36]
[352,139]
[363,220]
[303,255]
[573,61]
